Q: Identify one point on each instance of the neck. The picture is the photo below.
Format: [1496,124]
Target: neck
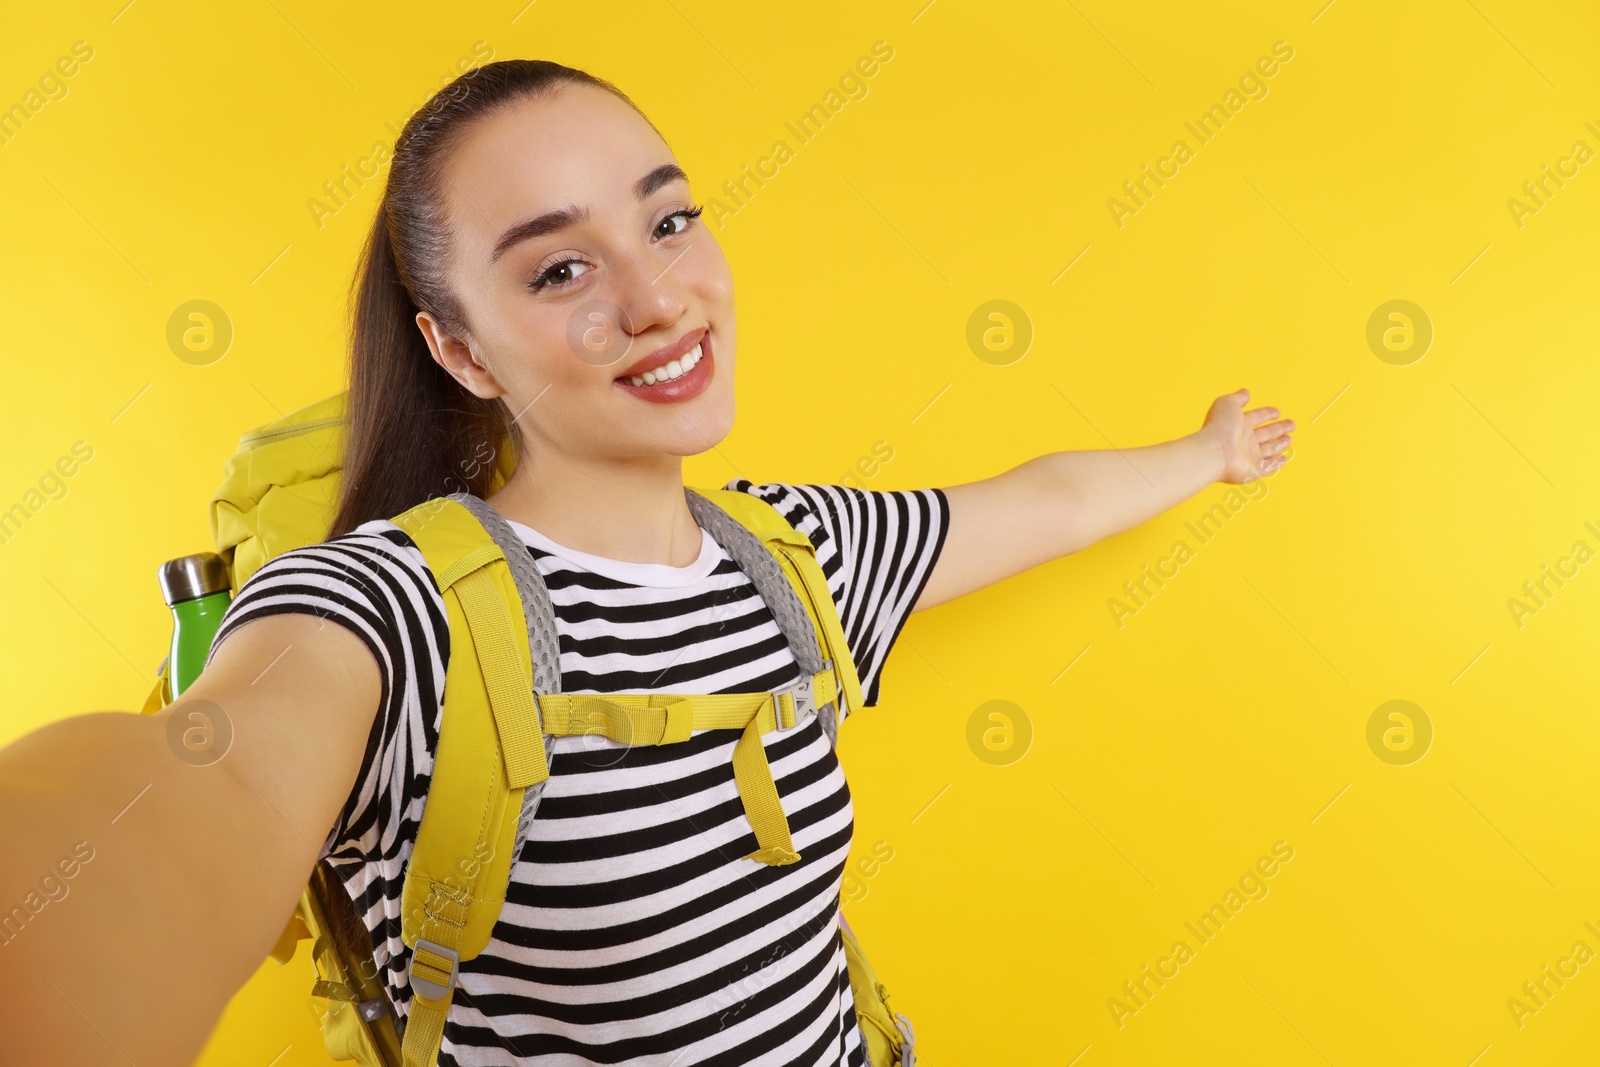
[632,510]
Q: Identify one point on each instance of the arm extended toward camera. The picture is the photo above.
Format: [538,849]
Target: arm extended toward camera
[140,884]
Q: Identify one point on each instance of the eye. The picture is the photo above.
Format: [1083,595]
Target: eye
[688,215]
[556,276]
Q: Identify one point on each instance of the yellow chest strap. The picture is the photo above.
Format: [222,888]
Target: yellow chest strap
[665,718]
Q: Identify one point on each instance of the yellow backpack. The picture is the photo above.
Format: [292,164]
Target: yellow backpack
[279,492]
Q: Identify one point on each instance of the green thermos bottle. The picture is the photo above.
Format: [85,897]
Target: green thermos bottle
[197,590]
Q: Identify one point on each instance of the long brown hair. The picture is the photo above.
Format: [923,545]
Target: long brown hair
[412,432]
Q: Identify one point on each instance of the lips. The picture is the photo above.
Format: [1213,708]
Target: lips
[677,390]
[662,356]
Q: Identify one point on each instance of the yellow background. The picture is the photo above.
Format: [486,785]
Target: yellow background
[1227,713]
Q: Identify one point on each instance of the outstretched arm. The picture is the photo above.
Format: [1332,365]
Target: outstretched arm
[1066,501]
[199,853]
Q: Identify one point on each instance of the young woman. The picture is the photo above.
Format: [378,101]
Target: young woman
[535,269]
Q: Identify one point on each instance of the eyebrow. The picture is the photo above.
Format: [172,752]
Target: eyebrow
[572,215]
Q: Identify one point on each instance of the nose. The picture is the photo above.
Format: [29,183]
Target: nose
[650,289]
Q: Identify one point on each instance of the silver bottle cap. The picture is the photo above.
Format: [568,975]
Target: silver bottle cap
[188,577]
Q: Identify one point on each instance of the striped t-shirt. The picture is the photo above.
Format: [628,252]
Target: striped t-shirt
[634,930]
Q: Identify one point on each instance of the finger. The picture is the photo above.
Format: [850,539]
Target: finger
[1273,429]
[1238,398]
[1260,415]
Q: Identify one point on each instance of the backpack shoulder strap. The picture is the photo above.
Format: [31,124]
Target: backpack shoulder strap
[489,751]
[801,601]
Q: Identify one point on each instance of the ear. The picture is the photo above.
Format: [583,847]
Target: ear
[458,359]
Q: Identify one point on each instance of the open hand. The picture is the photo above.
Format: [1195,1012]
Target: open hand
[1250,441]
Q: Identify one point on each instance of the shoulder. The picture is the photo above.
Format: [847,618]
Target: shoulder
[836,517]
[372,579]
[802,506]
[876,547]
[373,547]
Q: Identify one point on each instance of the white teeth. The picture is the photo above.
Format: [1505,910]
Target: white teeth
[671,372]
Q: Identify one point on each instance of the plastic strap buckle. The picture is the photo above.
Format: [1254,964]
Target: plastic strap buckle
[805,698]
[427,987]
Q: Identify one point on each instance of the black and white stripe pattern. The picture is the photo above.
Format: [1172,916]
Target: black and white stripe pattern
[634,931]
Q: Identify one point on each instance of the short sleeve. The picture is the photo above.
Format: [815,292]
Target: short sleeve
[877,549]
[374,582]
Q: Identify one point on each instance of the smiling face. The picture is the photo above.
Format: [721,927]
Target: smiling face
[579,266]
